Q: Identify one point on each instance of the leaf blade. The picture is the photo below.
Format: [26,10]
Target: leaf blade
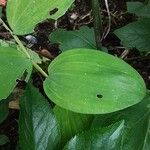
[89,81]
[38,127]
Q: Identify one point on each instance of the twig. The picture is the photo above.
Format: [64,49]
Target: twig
[97,22]
[109,21]
[24,49]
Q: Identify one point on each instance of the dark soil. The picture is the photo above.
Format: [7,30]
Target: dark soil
[44,47]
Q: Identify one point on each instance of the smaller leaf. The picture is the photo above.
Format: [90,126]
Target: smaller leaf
[135,35]
[4,111]
[133,7]
[139,9]
[3,139]
[108,138]
[82,38]
[71,123]
[38,128]
[13,64]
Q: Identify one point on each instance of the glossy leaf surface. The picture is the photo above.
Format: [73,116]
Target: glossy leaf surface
[137,122]
[23,15]
[108,138]
[38,128]
[12,66]
[93,82]
[71,123]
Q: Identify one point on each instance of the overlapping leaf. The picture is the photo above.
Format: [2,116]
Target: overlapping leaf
[12,66]
[71,123]
[38,128]
[108,138]
[82,38]
[23,15]
[89,81]
[137,125]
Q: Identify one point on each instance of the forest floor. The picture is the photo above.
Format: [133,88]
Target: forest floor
[77,16]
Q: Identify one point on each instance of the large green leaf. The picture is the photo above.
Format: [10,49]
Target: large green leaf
[38,128]
[108,138]
[12,66]
[89,81]
[3,110]
[23,15]
[137,125]
[136,35]
[82,38]
[71,123]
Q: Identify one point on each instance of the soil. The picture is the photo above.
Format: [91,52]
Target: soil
[82,10]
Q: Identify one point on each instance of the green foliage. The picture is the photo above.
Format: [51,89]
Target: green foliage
[139,9]
[136,34]
[3,110]
[82,38]
[22,16]
[38,127]
[137,125]
[81,80]
[108,138]
[13,63]
[71,123]
[93,82]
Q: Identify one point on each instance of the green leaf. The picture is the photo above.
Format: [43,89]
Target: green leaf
[3,110]
[22,16]
[12,66]
[82,38]
[133,7]
[71,123]
[136,131]
[108,138]
[93,82]
[3,139]
[38,128]
[139,9]
[135,35]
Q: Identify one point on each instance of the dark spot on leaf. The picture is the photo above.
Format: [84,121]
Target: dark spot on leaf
[52,12]
[99,96]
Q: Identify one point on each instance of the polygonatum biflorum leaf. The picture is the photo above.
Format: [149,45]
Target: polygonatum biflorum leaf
[93,82]
[23,15]
[38,127]
[137,125]
[3,110]
[71,123]
[13,63]
[82,38]
[135,35]
[108,138]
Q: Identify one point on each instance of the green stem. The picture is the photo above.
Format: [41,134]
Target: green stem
[24,50]
[97,22]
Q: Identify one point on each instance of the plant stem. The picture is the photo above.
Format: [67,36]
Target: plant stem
[97,22]
[24,49]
